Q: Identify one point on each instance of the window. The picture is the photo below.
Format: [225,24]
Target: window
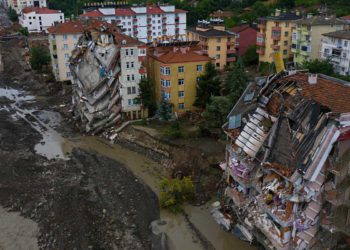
[285,52]
[167,71]
[217,65]
[181,81]
[53,36]
[199,68]
[345,43]
[132,77]
[126,52]
[66,56]
[161,70]
[67,65]
[165,83]
[326,52]
[285,43]
[130,102]
[344,55]
[181,69]
[131,90]
[166,95]
[128,78]
[30,23]
[286,33]
[181,106]
[142,52]
[287,25]
[65,46]
[217,56]
[68,74]
[131,52]
[218,48]
[218,40]
[75,37]
[131,64]
[181,94]
[64,37]
[127,65]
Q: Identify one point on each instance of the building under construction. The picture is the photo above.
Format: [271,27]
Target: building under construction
[287,165]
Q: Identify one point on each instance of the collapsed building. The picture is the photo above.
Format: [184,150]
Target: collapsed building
[98,65]
[287,167]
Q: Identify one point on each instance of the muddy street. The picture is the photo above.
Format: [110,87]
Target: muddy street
[61,190]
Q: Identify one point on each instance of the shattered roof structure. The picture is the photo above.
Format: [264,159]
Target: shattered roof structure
[282,131]
[95,69]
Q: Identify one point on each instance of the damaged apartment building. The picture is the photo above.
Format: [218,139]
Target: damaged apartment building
[106,68]
[287,175]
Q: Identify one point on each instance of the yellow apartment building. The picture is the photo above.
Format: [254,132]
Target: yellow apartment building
[215,42]
[275,34]
[175,71]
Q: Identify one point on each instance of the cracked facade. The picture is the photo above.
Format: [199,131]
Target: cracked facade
[287,164]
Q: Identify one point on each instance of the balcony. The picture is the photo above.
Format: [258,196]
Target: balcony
[276,29]
[230,59]
[149,25]
[276,36]
[177,19]
[231,51]
[275,47]
[260,41]
[134,20]
[164,18]
[260,51]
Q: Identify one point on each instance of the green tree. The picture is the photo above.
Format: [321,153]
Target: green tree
[39,57]
[174,192]
[24,31]
[251,57]
[164,111]
[217,110]
[207,86]
[12,14]
[318,66]
[146,96]
[236,81]
[286,4]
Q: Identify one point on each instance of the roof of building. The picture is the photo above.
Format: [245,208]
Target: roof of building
[75,27]
[154,9]
[346,17]
[342,34]
[94,13]
[180,11]
[210,32]
[240,28]
[178,54]
[124,12]
[41,10]
[320,20]
[125,40]
[221,13]
[288,16]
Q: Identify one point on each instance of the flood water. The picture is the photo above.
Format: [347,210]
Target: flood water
[54,145]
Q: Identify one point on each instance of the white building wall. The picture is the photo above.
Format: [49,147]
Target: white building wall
[340,61]
[39,22]
[18,5]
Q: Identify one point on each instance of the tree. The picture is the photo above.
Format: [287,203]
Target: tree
[236,81]
[164,111]
[207,86]
[24,31]
[289,4]
[318,66]
[146,96]
[251,57]
[217,110]
[174,192]
[39,57]
[12,14]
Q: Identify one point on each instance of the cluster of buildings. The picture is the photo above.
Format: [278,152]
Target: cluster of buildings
[287,166]
[19,5]
[301,39]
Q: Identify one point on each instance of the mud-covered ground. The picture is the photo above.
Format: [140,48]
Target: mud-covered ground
[86,202]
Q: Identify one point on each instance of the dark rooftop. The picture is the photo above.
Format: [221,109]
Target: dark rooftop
[289,16]
[211,32]
[342,34]
[321,20]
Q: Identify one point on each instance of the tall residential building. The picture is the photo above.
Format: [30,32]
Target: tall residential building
[146,23]
[63,39]
[133,68]
[287,162]
[275,35]
[5,3]
[19,5]
[306,38]
[215,42]
[175,70]
[37,19]
[336,48]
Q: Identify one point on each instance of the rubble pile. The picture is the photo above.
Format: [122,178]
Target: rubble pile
[96,88]
[285,132]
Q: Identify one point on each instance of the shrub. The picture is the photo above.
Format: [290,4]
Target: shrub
[174,192]
[39,57]
[174,131]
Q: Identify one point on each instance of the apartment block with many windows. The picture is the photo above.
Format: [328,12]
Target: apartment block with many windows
[336,48]
[175,70]
[19,5]
[146,23]
[275,35]
[306,37]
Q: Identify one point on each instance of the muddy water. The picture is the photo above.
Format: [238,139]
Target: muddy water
[54,145]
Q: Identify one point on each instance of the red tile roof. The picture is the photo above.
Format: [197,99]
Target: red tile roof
[334,95]
[180,11]
[75,27]
[177,54]
[124,12]
[38,10]
[346,17]
[94,13]
[239,28]
[153,9]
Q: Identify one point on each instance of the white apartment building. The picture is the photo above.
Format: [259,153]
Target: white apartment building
[37,19]
[336,48]
[62,41]
[146,23]
[4,3]
[132,62]
[19,5]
